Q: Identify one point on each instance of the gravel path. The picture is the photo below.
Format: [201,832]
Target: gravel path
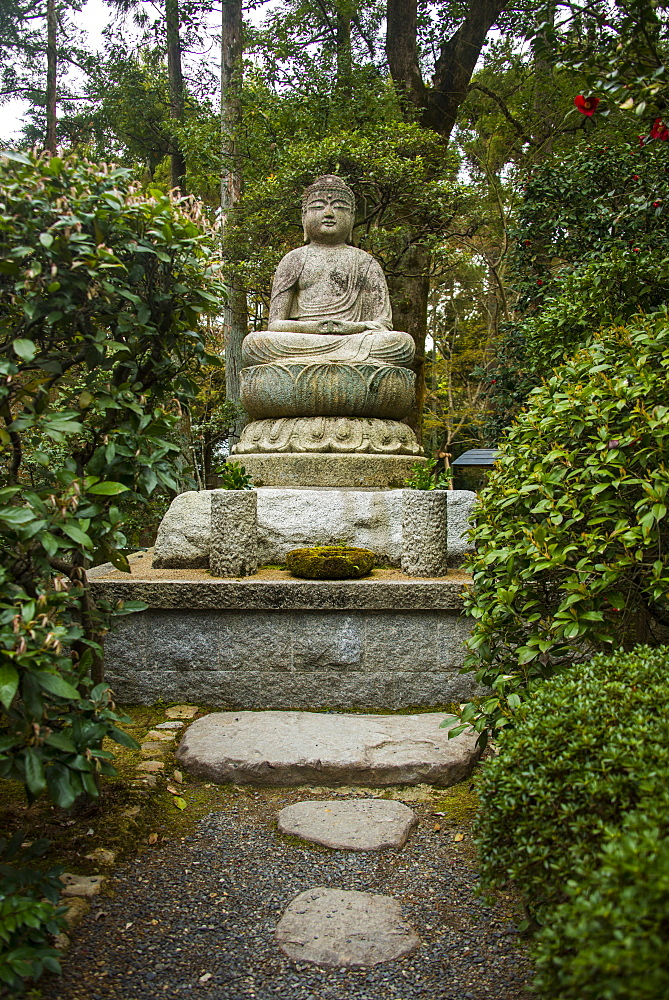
[197,917]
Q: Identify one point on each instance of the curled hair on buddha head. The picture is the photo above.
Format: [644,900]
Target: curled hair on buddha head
[329,183]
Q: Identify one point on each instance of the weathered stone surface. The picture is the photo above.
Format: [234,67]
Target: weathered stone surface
[329,390]
[291,659]
[345,929]
[180,712]
[330,471]
[296,748]
[290,519]
[424,533]
[77,908]
[184,532]
[151,766]
[81,885]
[343,435]
[248,658]
[460,507]
[349,825]
[283,595]
[102,855]
[233,547]
[172,724]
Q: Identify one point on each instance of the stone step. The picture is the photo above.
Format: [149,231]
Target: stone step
[281,749]
[349,825]
[345,929]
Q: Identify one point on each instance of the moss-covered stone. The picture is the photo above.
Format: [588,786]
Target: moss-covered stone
[330,562]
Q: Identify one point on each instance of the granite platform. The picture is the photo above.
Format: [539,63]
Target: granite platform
[270,641]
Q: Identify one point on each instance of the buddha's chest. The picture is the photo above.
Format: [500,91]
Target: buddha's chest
[328,276]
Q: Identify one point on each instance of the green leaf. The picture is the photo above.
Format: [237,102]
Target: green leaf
[124,739]
[108,489]
[57,685]
[77,535]
[16,515]
[61,742]
[46,239]
[59,782]
[26,349]
[179,802]
[34,772]
[9,682]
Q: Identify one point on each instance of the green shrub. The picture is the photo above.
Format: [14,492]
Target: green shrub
[424,476]
[610,939]
[233,476]
[29,914]
[571,535]
[591,745]
[102,290]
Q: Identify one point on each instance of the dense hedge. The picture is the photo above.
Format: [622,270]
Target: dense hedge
[610,939]
[591,746]
[571,535]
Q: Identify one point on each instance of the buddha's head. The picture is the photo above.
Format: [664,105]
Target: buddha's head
[328,211]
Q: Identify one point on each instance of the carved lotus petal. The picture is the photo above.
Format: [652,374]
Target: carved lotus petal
[327,389]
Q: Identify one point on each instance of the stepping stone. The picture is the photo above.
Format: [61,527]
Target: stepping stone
[337,928]
[280,749]
[81,885]
[353,825]
[182,712]
[172,724]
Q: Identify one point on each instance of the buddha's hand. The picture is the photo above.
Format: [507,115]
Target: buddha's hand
[341,327]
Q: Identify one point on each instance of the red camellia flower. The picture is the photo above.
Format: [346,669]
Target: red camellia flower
[659,130]
[656,204]
[586,105]
[539,282]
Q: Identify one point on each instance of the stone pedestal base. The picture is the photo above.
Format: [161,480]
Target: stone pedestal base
[360,471]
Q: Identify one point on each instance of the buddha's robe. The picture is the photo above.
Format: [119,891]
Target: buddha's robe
[341,293]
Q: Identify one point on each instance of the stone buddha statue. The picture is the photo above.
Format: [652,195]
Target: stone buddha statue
[329,300]
[329,378]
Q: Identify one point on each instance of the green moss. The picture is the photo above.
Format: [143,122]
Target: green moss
[330,562]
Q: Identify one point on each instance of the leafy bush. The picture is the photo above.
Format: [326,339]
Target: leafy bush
[424,476]
[29,914]
[101,291]
[610,939]
[585,255]
[571,535]
[591,746]
[233,476]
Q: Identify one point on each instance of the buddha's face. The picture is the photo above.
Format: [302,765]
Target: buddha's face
[328,218]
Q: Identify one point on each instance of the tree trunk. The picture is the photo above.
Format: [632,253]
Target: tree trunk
[235,313]
[51,76]
[344,56]
[438,106]
[176,82]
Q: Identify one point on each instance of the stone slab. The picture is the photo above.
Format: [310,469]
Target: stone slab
[326,470]
[290,518]
[344,928]
[282,749]
[443,594]
[349,824]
